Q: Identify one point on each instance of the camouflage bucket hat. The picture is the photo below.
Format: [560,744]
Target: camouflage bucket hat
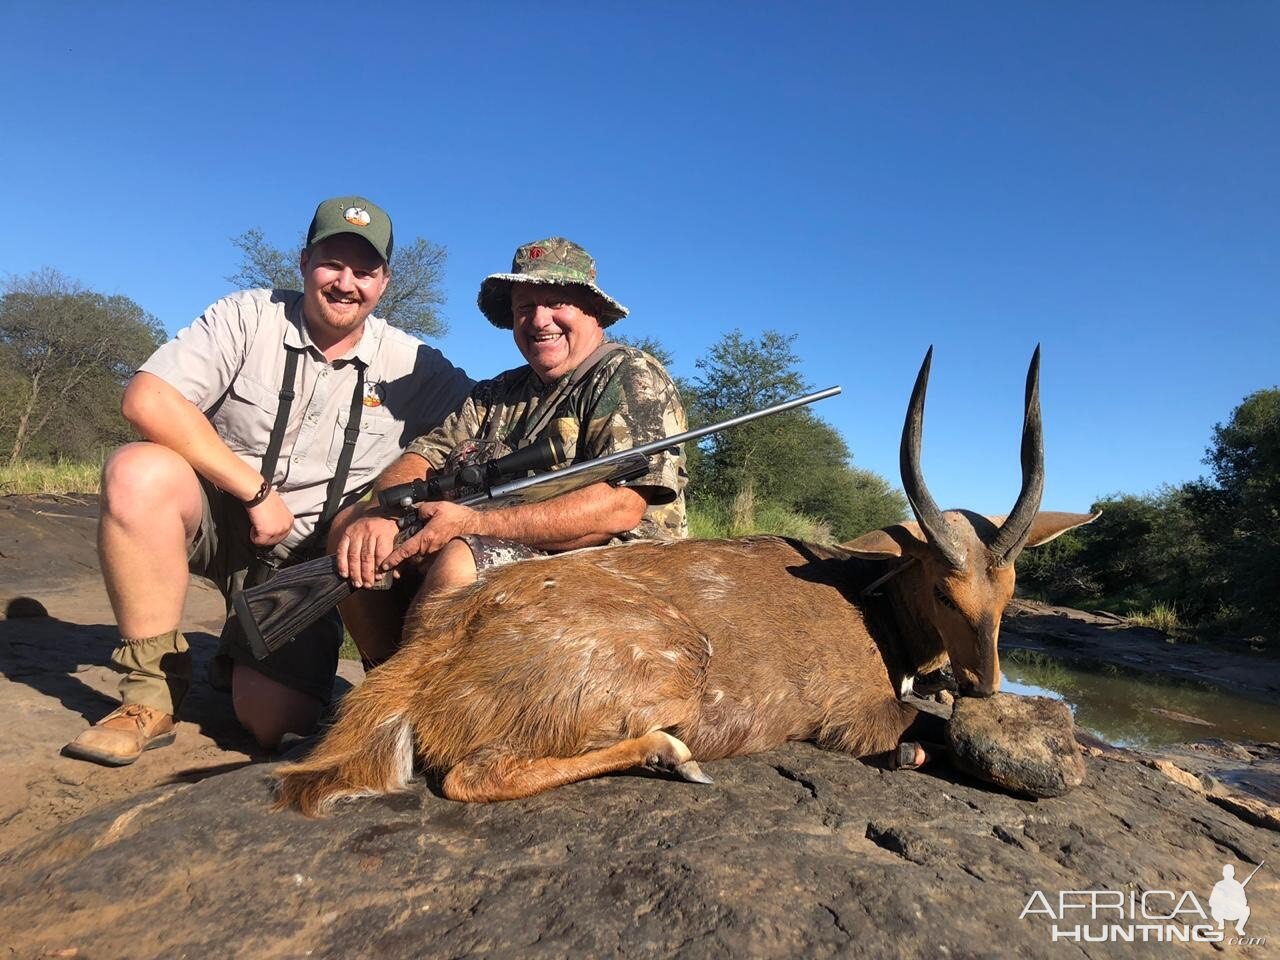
[554,261]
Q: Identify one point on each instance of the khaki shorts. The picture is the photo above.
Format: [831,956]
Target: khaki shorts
[223,554]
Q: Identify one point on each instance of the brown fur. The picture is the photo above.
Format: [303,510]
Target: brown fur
[515,683]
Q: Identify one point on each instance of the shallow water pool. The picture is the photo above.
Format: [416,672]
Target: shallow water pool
[1138,711]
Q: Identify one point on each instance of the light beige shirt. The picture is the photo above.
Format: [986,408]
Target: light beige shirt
[230,364]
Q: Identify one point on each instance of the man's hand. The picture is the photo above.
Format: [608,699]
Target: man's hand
[365,545]
[270,521]
[444,520]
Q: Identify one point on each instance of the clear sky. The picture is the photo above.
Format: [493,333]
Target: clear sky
[1099,177]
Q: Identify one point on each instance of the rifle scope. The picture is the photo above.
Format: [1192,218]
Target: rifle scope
[539,456]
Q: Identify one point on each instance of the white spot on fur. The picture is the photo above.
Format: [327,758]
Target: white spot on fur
[403,757]
[672,655]
[907,685]
[717,696]
[500,598]
[637,653]
[548,584]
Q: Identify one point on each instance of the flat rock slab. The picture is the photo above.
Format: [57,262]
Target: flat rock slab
[795,853]
[55,679]
[1024,744]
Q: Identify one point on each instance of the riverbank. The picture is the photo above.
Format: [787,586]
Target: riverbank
[1094,641]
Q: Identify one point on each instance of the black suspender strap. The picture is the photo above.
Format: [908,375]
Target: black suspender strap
[583,370]
[338,482]
[290,379]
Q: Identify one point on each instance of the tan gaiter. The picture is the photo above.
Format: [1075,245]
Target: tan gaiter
[157,670]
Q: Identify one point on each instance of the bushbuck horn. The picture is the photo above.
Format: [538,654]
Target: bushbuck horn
[1008,543]
[922,505]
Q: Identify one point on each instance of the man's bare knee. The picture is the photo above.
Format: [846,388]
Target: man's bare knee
[140,479]
[454,566]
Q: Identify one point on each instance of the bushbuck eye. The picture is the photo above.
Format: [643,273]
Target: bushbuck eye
[943,599]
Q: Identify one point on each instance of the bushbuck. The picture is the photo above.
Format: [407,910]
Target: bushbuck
[661,655]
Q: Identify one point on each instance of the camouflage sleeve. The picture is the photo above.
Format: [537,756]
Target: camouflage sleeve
[634,401]
[463,424]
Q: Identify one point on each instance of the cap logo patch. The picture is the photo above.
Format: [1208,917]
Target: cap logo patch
[374,394]
[356,216]
[535,253]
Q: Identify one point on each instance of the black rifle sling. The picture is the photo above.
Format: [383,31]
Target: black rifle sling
[338,482]
[584,370]
[282,415]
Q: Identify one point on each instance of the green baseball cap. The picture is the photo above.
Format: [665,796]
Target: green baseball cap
[353,215]
[552,261]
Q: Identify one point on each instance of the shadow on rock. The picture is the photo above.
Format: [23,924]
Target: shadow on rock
[69,662]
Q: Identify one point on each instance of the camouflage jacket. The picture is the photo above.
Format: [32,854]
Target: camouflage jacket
[626,400]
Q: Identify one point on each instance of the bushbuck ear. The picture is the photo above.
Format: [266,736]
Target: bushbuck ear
[902,539]
[1048,525]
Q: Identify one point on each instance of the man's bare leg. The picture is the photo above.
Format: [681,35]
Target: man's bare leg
[453,566]
[268,709]
[372,617]
[375,618]
[150,513]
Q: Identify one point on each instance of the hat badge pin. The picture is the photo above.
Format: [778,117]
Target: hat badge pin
[356,216]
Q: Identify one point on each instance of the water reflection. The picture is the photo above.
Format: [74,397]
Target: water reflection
[1139,712]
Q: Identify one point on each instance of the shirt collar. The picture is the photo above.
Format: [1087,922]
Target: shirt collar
[297,336]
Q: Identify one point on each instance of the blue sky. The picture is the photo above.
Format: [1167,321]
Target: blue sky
[1097,177]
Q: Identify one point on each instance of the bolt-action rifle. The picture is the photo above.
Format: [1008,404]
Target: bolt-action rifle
[273,613]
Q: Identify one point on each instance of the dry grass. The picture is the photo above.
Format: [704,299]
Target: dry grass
[64,476]
[1161,616]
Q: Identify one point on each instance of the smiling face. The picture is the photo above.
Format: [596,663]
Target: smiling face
[555,327]
[342,281]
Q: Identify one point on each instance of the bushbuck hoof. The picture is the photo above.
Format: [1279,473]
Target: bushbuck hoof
[689,770]
[668,753]
[908,756]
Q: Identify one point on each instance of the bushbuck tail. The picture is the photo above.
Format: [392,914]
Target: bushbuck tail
[661,655]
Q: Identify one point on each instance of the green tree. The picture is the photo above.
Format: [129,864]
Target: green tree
[65,353]
[412,298]
[1238,510]
[792,459]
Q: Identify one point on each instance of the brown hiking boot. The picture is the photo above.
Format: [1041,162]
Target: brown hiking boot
[120,737]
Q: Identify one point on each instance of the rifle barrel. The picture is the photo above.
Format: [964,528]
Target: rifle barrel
[1255,870]
[656,446]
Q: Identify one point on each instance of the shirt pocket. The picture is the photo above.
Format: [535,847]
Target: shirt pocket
[247,416]
[376,446]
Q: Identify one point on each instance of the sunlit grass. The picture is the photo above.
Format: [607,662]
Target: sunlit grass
[62,476]
[1161,616]
[712,520]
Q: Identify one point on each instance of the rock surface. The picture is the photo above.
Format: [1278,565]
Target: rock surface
[1023,744]
[792,853]
[55,679]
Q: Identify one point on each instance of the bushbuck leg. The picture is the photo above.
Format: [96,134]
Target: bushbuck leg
[484,777]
